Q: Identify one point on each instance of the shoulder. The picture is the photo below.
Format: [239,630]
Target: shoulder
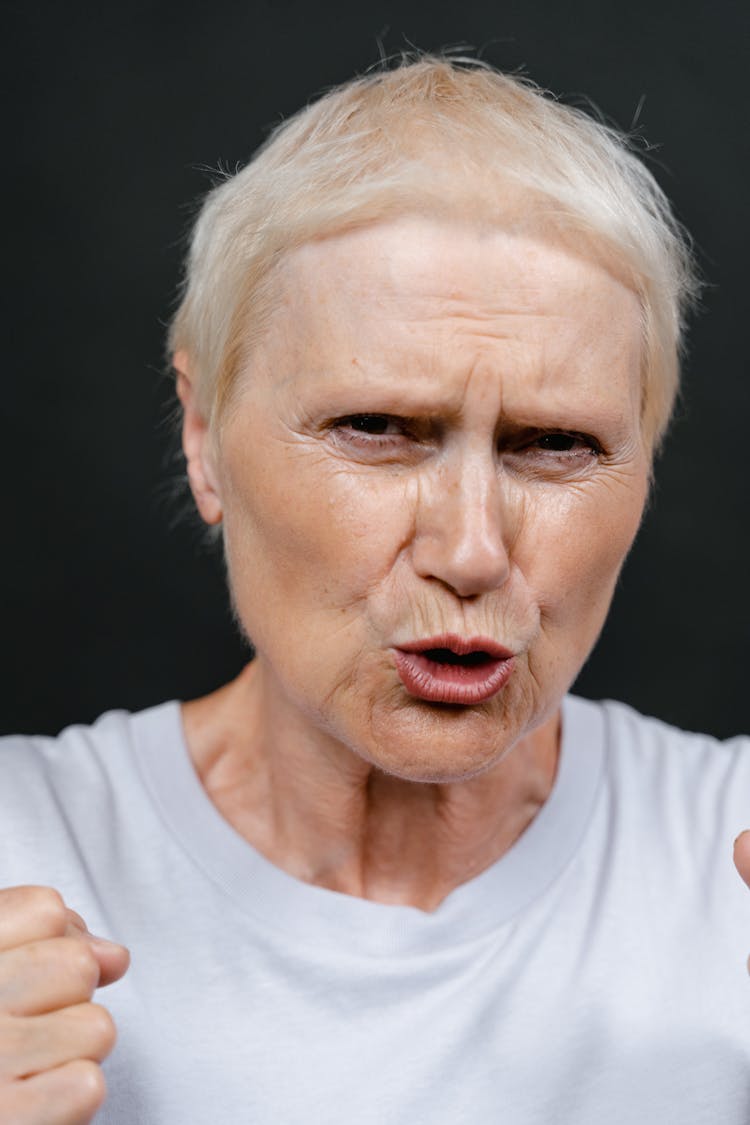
[82,757]
[110,729]
[109,733]
[639,744]
[633,730]
[633,738]
[670,783]
[68,802]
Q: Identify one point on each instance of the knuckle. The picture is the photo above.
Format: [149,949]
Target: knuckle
[45,905]
[77,1091]
[50,908]
[81,963]
[102,1028]
[89,1084]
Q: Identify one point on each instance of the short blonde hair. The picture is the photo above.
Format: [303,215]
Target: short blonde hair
[441,136]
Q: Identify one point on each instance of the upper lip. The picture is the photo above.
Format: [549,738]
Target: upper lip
[462,646]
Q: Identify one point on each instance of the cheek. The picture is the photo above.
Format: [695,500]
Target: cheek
[577,553]
[306,538]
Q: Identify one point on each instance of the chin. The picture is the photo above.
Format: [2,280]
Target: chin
[436,743]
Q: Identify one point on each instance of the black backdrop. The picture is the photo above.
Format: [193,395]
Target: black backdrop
[113,112]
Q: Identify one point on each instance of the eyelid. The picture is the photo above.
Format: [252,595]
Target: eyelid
[407,426]
[414,428]
[527,438]
[585,439]
[376,415]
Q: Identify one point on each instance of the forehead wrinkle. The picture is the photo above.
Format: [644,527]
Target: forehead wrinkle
[524,366]
[480,304]
[380,318]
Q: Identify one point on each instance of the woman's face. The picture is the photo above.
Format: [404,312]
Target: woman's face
[439,438]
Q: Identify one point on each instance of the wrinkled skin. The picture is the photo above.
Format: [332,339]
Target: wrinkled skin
[346,538]
[497,492]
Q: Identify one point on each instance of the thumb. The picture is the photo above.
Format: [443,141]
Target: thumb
[114,959]
[742,855]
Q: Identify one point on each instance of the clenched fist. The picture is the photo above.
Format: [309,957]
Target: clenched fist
[52,1038]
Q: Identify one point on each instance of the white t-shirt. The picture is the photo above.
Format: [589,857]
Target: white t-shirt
[595,975]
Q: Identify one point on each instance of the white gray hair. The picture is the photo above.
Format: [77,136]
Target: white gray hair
[438,136]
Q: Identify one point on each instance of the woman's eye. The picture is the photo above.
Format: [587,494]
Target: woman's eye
[366,429]
[554,453]
[574,444]
[376,424]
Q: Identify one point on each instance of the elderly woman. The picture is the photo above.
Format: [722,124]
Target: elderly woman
[426,350]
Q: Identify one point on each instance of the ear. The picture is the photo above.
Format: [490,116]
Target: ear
[196,446]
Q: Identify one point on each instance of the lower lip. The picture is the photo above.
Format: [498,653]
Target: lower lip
[451,683]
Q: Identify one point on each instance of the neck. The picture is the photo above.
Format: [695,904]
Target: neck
[323,814]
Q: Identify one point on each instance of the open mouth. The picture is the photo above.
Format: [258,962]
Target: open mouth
[460,660]
[458,670]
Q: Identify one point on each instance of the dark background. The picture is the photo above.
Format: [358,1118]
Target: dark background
[113,114]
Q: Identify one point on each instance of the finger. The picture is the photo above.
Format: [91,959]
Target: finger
[68,1095]
[30,913]
[113,958]
[44,975]
[33,914]
[76,923]
[742,855]
[34,1044]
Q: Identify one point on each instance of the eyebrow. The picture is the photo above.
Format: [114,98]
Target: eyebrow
[390,396]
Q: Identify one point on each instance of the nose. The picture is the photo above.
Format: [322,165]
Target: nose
[463,528]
